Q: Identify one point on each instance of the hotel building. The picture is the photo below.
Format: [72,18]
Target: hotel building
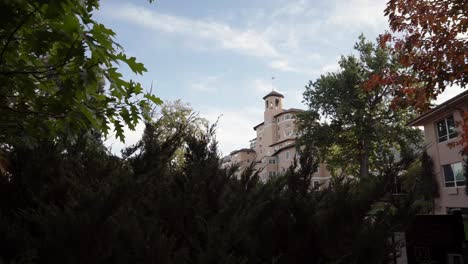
[442,129]
[274,148]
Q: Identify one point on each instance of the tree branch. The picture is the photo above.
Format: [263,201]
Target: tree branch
[10,37]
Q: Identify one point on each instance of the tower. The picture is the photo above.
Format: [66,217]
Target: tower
[273,106]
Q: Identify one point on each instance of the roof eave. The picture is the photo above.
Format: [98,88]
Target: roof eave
[421,120]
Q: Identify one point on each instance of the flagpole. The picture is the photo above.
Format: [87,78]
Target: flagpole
[272,86]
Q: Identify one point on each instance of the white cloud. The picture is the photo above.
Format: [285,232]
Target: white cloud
[263,87]
[291,8]
[332,67]
[282,65]
[358,13]
[284,37]
[279,45]
[131,137]
[298,26]
[247,42]
[207,84]
[201,87]
[235,126]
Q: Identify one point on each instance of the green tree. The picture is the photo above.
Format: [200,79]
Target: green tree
[350,120]
[76,203]
[420,184]
[59,73]
[167,122]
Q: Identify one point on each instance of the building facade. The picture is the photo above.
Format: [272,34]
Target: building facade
[442,130]
[274,146]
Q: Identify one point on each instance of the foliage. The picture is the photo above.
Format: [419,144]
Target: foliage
[166,123]
[59,73]
[430,39]
[419,182]
[350,119]
[66,199]
[77,203]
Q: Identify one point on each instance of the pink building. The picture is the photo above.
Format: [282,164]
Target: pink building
[274,146]
[442,129]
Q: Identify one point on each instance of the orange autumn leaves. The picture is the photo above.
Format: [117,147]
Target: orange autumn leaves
[429,39]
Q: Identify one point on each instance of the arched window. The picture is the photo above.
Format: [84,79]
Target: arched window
[266,103]
[276,103]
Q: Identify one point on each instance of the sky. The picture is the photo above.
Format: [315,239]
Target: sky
[219,56]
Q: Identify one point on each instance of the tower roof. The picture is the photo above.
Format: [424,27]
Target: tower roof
[273,93]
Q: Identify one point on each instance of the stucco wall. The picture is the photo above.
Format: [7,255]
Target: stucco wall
[442,154]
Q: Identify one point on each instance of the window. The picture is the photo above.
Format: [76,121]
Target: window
[287,117]
[453,175]
[276,103]
[272,161]
[266,104]
[288,125]
[287,155]
[272,173]
[316,185]
[446,129]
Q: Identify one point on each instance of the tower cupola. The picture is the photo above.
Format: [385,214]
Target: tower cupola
[273,105]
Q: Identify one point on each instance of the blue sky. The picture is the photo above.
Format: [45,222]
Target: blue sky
[219,56]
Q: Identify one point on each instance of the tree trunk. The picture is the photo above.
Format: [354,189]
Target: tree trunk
[363,160]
